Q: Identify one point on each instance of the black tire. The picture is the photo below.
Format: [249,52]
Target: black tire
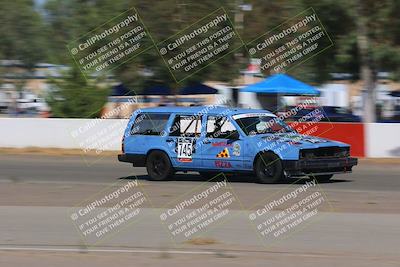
[159,166]
[268,168]
[323,178]
[209,175]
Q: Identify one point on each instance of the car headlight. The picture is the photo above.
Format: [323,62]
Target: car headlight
[344,152]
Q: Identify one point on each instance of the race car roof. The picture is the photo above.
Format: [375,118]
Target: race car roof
[206,110]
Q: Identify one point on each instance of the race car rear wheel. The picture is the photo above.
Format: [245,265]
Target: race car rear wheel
[268,168]
[159,166]
[323,178]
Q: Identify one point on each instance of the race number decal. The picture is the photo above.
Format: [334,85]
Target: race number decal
[185,149]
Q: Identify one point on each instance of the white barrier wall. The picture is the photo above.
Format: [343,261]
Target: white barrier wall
[382,140]
[88,134]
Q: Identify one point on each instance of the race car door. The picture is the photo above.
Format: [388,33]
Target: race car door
[183,138]
[221,149]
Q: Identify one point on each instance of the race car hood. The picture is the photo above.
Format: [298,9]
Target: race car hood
[301,141]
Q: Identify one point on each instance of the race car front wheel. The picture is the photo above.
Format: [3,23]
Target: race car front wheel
[268,168]
[159,166]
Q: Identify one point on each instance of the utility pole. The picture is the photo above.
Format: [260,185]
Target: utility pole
[366,64]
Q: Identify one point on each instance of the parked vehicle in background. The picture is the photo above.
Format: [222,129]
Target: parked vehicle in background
[3,103]
[35,105]
[212,140]
[23,103]
[395,118]
[324,113]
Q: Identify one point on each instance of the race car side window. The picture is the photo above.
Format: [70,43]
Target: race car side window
[149,124]
[186,126]
[220,127]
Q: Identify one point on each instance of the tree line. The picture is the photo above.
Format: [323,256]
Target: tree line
[365,33]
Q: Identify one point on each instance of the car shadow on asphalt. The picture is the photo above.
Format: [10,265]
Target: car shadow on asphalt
[231,178]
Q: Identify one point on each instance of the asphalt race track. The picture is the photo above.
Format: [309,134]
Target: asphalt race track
[360,228]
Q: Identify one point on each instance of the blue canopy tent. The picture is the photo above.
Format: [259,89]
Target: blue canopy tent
[282,84]
[120,90]
[157,90]
[198,89]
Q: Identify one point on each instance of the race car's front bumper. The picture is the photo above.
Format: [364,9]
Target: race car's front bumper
[320,166]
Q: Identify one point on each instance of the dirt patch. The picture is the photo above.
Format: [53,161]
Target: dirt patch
[201,241]
[388,161]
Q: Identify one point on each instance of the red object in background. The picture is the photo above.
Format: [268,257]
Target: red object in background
[350,133]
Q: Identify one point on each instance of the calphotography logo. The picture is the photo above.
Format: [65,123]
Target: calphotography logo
[111,44]
[109,212]
[199,45]
[290,43]
[288,212]
[99,135]
[197,212]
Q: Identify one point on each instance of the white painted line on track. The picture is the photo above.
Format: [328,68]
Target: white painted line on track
[105,250]
[192,252]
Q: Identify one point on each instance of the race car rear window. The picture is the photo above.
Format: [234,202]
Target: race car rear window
[149,124]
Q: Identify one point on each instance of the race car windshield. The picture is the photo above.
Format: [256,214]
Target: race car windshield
[262,125]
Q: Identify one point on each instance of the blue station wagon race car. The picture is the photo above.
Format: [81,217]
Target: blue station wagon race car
[212,139]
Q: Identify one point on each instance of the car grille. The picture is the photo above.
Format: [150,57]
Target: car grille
[325,152]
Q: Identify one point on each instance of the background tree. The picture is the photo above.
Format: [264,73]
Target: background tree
[23,37]
[23,34]
[75,97]
[70,19]
[366,36]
